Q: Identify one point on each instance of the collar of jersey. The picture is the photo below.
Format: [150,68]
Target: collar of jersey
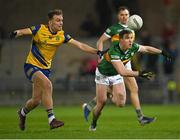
[124,52]
[125,26]
[51,32]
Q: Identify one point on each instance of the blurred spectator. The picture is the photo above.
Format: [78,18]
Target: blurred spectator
[104,14]
[131,4]
[88,67]
[146,39]
[169,9]
[169,90]
[168,33]
[89,26]
[2,36]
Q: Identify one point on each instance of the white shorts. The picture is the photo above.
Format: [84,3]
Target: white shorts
[110,80]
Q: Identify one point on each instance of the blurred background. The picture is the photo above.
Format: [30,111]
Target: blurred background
[73,70]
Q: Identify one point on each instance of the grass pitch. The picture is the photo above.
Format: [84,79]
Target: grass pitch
[114,123]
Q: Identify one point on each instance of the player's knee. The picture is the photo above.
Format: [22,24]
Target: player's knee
[134,89]
[47,85]
[36,101]
[120,104]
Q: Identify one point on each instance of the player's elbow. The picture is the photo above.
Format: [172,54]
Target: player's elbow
[81,46]
[99,43]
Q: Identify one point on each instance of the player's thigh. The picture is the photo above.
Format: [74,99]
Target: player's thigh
[101,92]
[119,91]
[131,84]
[41,81]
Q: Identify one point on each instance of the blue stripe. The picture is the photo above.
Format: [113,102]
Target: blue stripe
[38,55]
[37,27]
[49,115]
[37,51]
[66,38]
[29,75]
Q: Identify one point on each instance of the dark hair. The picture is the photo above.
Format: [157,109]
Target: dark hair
[54,12]
[122,8]
[124,31]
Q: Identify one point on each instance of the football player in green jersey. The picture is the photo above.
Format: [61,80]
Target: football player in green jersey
[112,70]
[113,33]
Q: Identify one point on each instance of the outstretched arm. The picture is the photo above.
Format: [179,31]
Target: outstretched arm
[84,47]
[153,50]
[119,66]
[149,49]
[20,32]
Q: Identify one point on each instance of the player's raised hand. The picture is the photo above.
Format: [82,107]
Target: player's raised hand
[167,55]
[146,74]
[13,34]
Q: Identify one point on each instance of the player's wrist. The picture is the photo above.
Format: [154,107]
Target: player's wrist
[13,34]
[99,53]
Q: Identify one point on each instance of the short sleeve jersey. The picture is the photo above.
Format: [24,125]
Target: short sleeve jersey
[116,54]
[44,45]
[113,32]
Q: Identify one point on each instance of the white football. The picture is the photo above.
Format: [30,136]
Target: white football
[135,22]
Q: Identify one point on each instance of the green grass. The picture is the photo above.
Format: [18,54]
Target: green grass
[119,123]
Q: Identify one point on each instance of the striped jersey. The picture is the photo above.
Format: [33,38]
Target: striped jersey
[44,45]
[116,54]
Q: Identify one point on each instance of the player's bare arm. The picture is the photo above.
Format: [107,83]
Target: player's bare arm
[84,47]
[149,49]
[153,50]
[20,32]
[100,42]
[119,66]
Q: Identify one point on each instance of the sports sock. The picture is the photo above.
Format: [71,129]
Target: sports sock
[24,111]
[139,113]
[94,120]
[50,115]
[91,104]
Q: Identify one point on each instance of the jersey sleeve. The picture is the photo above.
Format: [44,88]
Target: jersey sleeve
[136,46]
[67,38]
[109,32]
[34,29]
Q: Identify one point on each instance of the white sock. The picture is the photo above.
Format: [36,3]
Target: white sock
[51,118]
[22,112]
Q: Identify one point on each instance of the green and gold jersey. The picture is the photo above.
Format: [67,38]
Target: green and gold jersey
[116,54]
[113,32]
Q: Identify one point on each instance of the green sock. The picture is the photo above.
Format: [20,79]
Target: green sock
[95,118]
[91,104]
[139,113]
